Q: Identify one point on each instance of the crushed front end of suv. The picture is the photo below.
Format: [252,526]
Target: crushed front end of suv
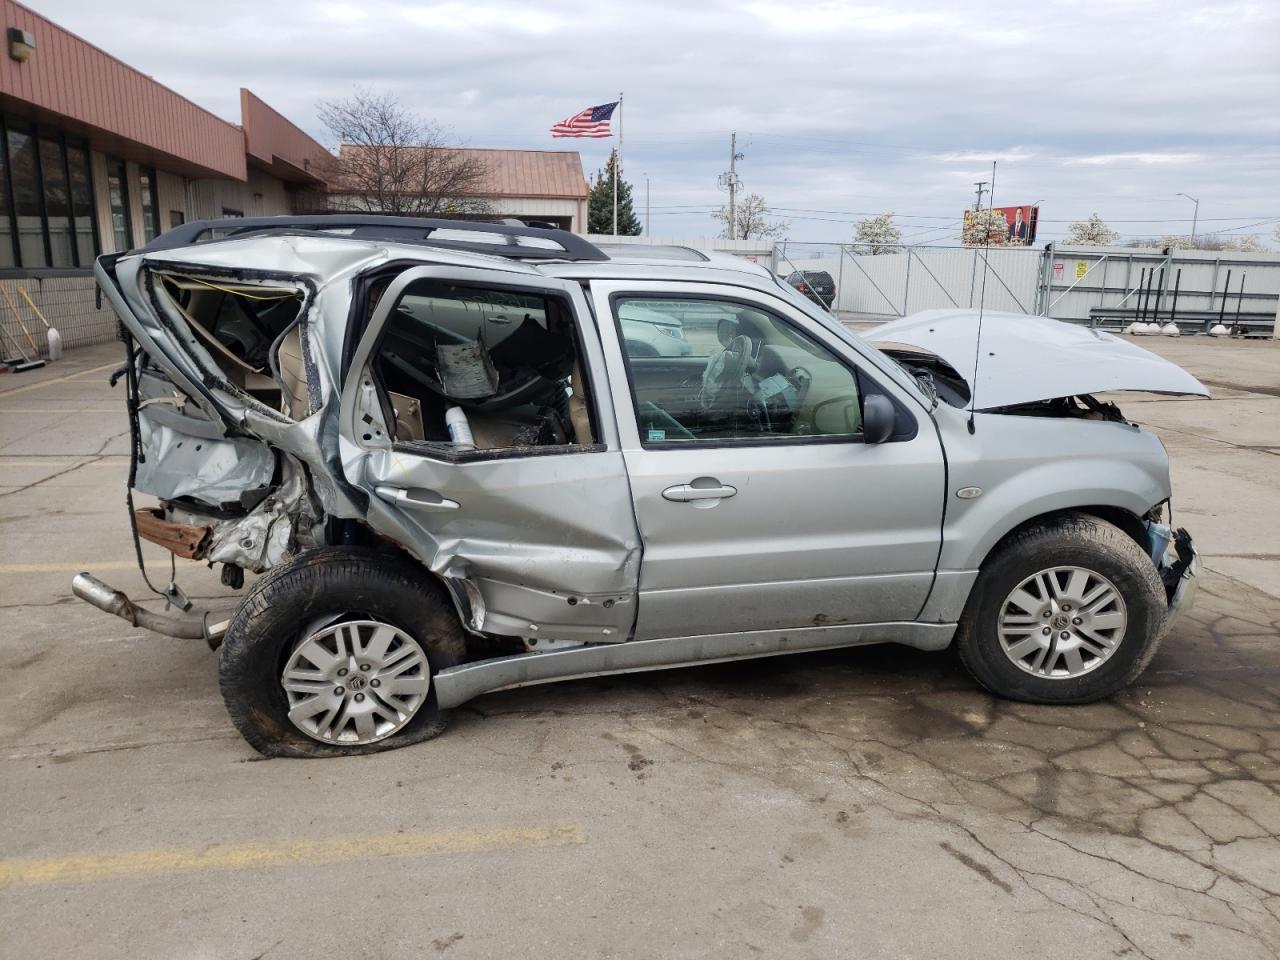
[464,457]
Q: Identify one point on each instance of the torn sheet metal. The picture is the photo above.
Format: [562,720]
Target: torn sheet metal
[283,524]
[1025,359]
[215,472]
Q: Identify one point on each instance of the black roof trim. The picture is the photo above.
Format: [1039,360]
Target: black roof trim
[559,244]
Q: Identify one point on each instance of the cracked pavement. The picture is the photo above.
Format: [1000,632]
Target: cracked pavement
[868,802]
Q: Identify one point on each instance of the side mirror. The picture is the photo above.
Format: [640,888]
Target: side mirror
[878,418]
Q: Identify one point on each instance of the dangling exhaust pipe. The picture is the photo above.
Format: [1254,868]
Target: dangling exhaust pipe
[92,590]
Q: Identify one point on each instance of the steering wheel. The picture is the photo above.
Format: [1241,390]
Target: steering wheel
[722,376]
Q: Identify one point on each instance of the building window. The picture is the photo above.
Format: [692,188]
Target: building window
[57,203]
[26,198]
[228,212]
[7,257]
[82,204]
[150,205]
[176,218]
[46,199]
[118,189]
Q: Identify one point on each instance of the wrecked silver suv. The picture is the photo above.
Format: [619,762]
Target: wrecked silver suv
[469,457]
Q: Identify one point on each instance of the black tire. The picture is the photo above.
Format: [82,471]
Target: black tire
[1071,539]
[637,349]
[331,580]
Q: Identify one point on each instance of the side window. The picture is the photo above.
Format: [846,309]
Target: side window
[718,370]
[118,194]
[479,368]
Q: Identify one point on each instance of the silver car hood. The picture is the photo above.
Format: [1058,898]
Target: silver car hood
[1025,359]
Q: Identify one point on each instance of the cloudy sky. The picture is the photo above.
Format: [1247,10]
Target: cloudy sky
[841,109]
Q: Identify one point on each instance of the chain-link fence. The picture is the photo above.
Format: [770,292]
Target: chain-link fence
[66,299]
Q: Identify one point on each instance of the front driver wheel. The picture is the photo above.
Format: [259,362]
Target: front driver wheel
[334,653]
[1066,611]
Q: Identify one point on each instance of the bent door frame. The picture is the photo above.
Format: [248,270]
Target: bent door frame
[569,568]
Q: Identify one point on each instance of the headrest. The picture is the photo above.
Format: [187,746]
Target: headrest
[726,330]
[748,323]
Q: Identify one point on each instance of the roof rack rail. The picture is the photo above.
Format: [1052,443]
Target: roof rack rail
[505,239]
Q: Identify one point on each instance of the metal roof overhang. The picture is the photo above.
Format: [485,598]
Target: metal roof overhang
[105,141]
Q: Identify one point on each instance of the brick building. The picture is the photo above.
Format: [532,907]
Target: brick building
[96,157]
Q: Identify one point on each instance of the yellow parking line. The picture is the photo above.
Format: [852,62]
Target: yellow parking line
[92,566]
[48,383]
[20,872]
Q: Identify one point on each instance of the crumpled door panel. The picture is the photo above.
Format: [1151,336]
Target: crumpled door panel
[185,454]
[215,472]
[549,542]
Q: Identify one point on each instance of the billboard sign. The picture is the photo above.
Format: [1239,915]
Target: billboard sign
[1020,223]
[1019,226]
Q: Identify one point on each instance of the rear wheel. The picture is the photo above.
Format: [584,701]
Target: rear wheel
[1066,611]
[335,652]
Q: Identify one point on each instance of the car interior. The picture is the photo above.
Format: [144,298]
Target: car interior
[757,376]
[239,324]
[509,360]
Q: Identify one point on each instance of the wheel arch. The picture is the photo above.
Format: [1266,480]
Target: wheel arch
[1126,520]
[1119,490]
[468,604]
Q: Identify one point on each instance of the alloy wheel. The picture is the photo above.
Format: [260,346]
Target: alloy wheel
[356,682]
[1062,622]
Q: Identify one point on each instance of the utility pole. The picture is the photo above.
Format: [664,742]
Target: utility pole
[1195,217]
[730,179]
[733,183]
[982,188]
[648,231]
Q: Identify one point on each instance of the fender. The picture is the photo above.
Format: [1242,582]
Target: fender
[1026,467]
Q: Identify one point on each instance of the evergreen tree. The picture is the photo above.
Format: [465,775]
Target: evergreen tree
[600,203]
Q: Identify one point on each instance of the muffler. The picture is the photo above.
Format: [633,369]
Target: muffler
[92,590]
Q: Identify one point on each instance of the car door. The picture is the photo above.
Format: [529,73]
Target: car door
[537,540]
[782,517]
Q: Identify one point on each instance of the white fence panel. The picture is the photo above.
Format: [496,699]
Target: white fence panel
[905,280]
[1096,284]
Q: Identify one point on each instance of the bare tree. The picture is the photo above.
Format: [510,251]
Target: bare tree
[749,220]
[390,160]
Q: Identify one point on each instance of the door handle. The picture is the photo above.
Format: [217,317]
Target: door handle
[418,498]
[685,492]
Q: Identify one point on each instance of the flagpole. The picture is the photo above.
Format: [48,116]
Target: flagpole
[617,168]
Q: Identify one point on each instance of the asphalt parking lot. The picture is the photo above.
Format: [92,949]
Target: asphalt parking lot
[867,803]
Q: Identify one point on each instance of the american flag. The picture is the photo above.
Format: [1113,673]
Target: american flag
[591,122]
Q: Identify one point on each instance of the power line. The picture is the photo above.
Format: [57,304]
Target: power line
[920,216]
[1259,223]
